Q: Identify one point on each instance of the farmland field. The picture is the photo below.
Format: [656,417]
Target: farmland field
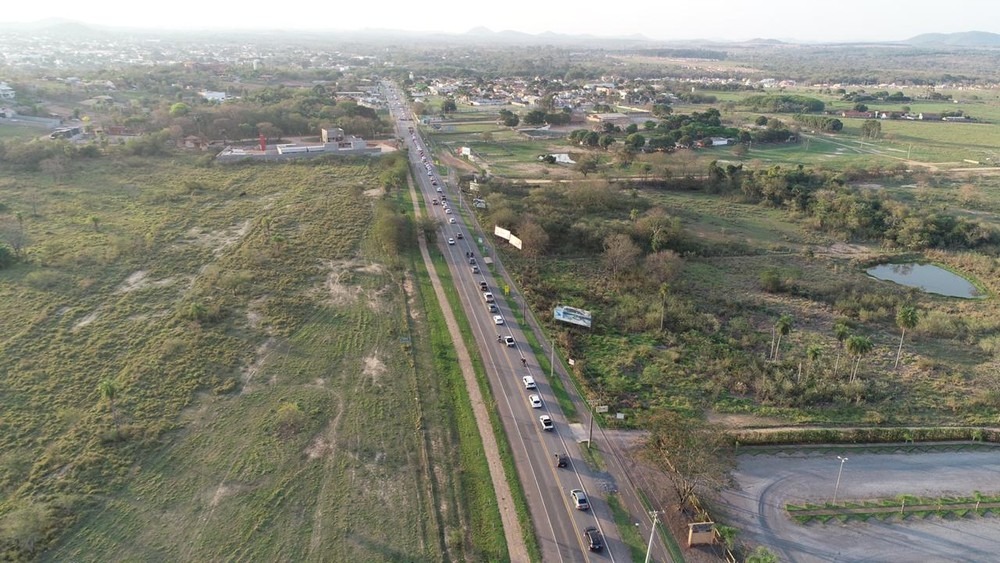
[276,391]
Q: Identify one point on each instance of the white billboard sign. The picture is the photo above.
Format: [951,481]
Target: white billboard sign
[572,315]
[501,232]
[515,242]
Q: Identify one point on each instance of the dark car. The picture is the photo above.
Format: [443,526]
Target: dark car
[562,460]
[592,536]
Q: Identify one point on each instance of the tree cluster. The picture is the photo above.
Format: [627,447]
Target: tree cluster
[860,215]
[820,122]
[782,103]
[882,97]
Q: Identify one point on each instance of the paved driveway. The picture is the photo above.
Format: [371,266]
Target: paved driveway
[768,482]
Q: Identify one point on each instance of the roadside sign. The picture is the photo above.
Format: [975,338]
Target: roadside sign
[601,408]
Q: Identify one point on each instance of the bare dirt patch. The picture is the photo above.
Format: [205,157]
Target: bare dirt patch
[219,240]
[374,192]
[458,163]
[848,250]
[343,294]
[221,492]
[254,315]
[374,368]
[139,280]
[261,355]
[408,288]
[91,317]
[135,281]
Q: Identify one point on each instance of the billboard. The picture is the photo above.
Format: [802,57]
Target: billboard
[515,242]
[501,232]
[572,315]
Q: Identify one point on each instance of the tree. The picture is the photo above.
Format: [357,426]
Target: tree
[179,109]
[631,128]
[695,453]
[109,389]
[840,331]
[635,141]
[14,235]
[7,258]
[26,527]
[760,121]
[620,254]
[534,117]
[871,129]
[290,419]
[449,106]
[96,221]
[533,237]
[858,346]
[813,353]
[782,327]
[269,131]
[662,110]
[509,118]
[606,141]
[762,555]
[664,293]
[906,319]
[860,107]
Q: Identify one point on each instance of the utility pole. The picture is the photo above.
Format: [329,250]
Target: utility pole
[652,532]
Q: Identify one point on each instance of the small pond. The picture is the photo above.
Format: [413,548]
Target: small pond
[927,277]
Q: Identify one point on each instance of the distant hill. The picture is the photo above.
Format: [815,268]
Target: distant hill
[961,39]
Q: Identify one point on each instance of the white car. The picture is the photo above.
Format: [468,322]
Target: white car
[546,422]
[451,220]
[535,401]
[529,382]
[447,210]
[451,241]
[497,319]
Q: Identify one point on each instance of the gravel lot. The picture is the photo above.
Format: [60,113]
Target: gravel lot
[767,482]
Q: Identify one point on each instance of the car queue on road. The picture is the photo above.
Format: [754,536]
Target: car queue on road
[546,423]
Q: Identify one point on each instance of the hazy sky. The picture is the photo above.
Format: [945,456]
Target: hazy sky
[804,20]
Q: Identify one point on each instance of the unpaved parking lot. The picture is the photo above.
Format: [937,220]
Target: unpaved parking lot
[766,482]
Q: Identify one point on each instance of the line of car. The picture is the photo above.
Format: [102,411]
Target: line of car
[591,535]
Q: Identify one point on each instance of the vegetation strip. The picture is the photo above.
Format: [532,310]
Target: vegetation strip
[517,550]
[900,506]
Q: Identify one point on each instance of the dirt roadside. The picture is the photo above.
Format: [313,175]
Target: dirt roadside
[516,547]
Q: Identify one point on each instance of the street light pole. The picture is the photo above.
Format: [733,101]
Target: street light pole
[652,532]
[836,488]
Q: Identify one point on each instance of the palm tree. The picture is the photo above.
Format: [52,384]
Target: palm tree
[109,392]
[782,328]
[664,292]
[840,331]
[858,346]
[813,353]
[906,318]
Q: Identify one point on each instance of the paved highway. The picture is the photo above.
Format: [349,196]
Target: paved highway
[558,524]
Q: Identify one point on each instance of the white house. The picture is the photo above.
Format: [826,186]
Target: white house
[213,96]
[6,92]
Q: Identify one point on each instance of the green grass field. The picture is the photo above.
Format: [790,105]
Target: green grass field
[279,393]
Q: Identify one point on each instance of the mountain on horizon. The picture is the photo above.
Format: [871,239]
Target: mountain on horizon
[959,39]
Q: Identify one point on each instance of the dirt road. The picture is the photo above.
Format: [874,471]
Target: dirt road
[516,547]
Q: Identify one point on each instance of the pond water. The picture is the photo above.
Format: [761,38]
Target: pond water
[927,277]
